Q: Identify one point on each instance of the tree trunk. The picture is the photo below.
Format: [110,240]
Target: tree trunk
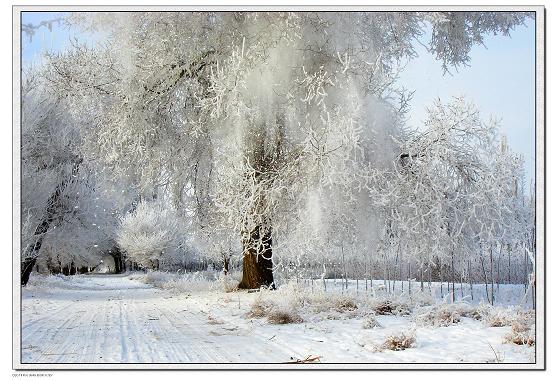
[119,265]
[491,271]
[226,264]
[257,266]
[31,254]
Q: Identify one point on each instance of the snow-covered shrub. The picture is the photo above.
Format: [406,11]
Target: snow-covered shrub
[443,314]
[189,281]
[521,334]
[150,235]
[498,319]
[419,299]
[480,312]
[278,316]
[185,282]
[345,303]
[400,341]
[301,302]
[370,322]
[277,311]
[502,317]
[321,302]
[390,306]
[260,307]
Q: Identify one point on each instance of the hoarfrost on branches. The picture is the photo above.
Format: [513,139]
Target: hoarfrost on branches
[279,137]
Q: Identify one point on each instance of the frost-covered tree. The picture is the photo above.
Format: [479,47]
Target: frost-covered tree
[68,211]
[150,235]
[431,195]
[501,213]
[453,193]
[242,117]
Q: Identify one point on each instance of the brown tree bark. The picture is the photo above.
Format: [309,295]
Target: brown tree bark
[257,269]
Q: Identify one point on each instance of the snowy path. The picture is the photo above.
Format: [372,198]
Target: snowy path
[114,319]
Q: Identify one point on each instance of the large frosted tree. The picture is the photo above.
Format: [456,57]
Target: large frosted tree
[69,211]
[255,123]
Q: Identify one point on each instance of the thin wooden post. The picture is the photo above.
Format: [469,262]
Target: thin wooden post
[429,280]
[491,270]
[365,272]
[509,280]
[485,278]
[470,279]
[370,275]
[453,276]
[441,278]
[461,280]
[409,276]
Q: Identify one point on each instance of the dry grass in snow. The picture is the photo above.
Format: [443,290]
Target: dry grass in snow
[290,302]
[190,281]
[400,341]
[521,334]
[443,314]
[390,306]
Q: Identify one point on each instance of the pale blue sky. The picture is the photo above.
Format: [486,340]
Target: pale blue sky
[500,79]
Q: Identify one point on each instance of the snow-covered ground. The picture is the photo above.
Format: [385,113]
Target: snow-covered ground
[135,318]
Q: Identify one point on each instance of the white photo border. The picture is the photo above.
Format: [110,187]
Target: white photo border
[540,265]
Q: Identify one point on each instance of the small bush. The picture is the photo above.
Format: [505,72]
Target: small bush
[390,307]
[498,318]
[400,342]
[443,314]
[522,329]
[506,317]
[370,322]
[283,317]
[521,334]
[183,282]
[283,313]
[480,312]
[332,304]
[344,303]
[291,299]
[259,308]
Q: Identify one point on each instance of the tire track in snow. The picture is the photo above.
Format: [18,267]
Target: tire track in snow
[124,321]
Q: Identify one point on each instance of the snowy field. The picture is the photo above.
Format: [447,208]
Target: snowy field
[158,318]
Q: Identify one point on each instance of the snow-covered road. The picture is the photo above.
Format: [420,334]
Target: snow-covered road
[115,319]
